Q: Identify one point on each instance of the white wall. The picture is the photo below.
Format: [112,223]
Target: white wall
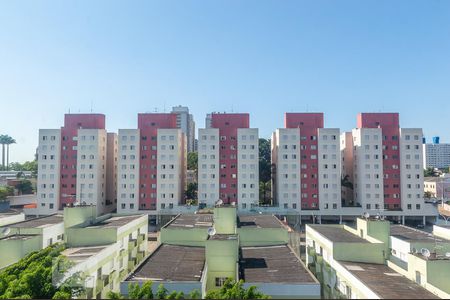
[128,171]
[49,171]
[247,168]
[411,173]
[208,166]
[329,158]
[91,168]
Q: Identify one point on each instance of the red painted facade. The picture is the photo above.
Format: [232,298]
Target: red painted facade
[149,125]
[228,125]
[390,128]
[73,122]
[308,124]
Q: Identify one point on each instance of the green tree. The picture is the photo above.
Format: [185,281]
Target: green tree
[265,170]
[114,295]
[25,187]
[9,141]
[427,195]
[3,142]
[429,172]
[191,191]
[235,290]
[162,292]
[6,191]
[195,294]
[192,161]
[346,183]
[140,292]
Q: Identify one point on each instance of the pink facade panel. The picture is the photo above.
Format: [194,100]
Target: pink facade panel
[228,125]
[149,125]
[73,122]
[308,124]
[390,128]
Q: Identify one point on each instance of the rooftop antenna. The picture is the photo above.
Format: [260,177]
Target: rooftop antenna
[366,215]
[91,105]
[155,109]
[211,231]
[164,107]
[425,252]
[6,231]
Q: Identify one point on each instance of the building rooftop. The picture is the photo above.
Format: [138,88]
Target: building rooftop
[18,237]
[80,254]
[39,222]
[189,221]
[337,234]
[172,263]
[385,282]
[275,264]
[414,235]
[115,222]
[259,221]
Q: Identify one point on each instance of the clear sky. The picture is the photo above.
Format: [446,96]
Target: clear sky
[261,57]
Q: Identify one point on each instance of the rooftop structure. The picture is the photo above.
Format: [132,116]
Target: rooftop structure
[386,283]
[201,251]
[336,233]
[273,264]
[171,263]
[115,222]
[380,260]
[41,222]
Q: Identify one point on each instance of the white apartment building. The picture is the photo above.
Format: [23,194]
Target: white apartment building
[128,171]
[329,167]
[436,155]
[208,166]
[91,168]
[287,178]
[411,162]
[368,168]
[171,167]
[49,164]
[248,168]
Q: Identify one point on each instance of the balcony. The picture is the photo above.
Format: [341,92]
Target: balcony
[140,255]
[131,263]
[132,243]
[141,238]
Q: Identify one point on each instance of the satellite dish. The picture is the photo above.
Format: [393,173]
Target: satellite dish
[211,231]
[378,216]
[425,252]
[447,254]
[414,250]
[6,230]
[233,203]
[195,212]
[366,215]
[260,212]
[219,202]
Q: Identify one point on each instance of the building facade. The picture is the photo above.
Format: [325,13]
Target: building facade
[306,159]
[228,161]
[437,155]
[72,164]
[185,121]
[383,162]
[151,164]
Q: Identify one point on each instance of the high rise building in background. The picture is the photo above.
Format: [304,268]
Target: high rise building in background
[228,161]
[185,121]
[384,164]
[72,165]
[306,160]
[151,164]
[436,155]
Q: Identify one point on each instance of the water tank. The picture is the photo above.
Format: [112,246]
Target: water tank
[435,140]
[424,140]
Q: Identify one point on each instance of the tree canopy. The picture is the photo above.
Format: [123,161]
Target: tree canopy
[235,290]
[192,160]
[33,277]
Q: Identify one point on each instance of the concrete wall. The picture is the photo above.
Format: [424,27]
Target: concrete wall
[288,291]
[185,287]
[14,250]
[225,220]
[10,219]
[221,259]
[186,237]
[262,236]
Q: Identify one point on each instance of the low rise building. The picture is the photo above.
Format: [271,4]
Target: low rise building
[378,260]
[104,249]
[19,239]
[200,251]
[437,187]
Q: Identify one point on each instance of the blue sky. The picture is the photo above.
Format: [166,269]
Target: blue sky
[261,57]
